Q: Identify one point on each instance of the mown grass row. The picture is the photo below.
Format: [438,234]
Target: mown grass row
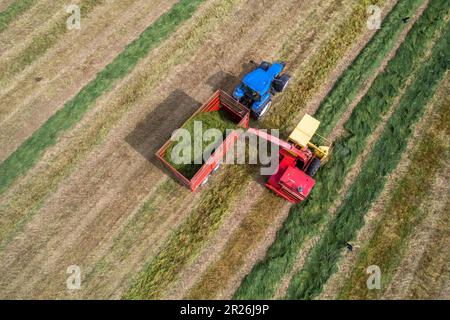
[160,272]
[13,11]
[185,244]
[40,44]
[382,160]
[311,77]
[33,148]
[370,58]
[430,276]
[305,219]
[402,213]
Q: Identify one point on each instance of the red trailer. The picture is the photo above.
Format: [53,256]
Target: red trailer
[237,112]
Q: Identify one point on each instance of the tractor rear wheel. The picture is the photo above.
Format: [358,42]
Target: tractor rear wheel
[313,167]
[281,83]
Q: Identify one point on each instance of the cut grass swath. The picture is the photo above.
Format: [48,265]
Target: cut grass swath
[311,77]
[188,239]
[384,157]
[370,58]
[306,218]
[40,44]
[33,148]
[402,212]
[13,11]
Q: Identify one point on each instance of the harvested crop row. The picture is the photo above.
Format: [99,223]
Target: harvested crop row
[383,159]
[401,215]
[345,265]
[146,228]
[310,215]
[13,11]
[28,24]
[433,270]
[40,44]
[347,87]
[186,242]
[32,149]
[28,104]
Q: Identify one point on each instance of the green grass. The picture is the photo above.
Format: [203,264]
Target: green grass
[310,78]
[40,44]
[13,11]
[47,135]
[370,58]
[306,218]
[382,160]
[402,212]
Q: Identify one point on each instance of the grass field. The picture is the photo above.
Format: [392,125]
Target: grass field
[79,126]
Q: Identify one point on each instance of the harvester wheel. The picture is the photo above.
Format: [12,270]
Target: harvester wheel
[313,167]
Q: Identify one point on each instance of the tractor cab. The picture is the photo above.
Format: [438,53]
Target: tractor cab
[258,87]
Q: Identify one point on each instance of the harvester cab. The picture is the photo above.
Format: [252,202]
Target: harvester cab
[258,87]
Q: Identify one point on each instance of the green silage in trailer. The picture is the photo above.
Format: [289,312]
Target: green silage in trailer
[218,120]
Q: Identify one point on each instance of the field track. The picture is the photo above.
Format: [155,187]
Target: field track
[79,184]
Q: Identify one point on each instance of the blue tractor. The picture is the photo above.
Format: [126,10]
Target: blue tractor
[258,87]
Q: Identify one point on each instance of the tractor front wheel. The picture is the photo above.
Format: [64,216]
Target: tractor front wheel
[265,109]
